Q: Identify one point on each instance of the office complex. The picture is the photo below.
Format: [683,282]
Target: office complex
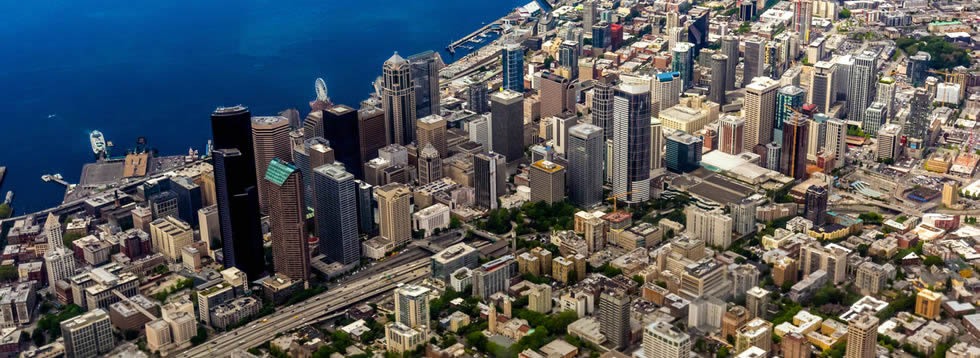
[341,129]
[337,213]
[823,91]
[270,140]
[631,143]
[395,212]
[507,124]
[792,163]
[547,180]
[429,164]
[683,153]
[732,135]
[729,47]
[398,100]
[614,318]
[287,219]
[489,179]
[512,64]
[557,95]
[478,97]
[88,335]
[759,111]
[432,130]
[585,162]
[667,88]
[754,59]
[602,104]
[683,62]
[425,68]
[719,74]
[861,89]
[816,205]
[889,141]
[168,235]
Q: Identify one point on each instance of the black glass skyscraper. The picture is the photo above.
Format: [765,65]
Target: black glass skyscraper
[236,191]
[238,212]
[340,128]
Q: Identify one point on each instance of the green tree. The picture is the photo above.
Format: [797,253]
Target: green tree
[6,211]
[845,14]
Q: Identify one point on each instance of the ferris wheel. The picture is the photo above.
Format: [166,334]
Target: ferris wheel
[321,90]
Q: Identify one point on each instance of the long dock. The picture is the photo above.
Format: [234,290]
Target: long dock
[452,47]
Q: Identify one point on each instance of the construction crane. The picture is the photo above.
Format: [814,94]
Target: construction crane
[615,197]
[948,78]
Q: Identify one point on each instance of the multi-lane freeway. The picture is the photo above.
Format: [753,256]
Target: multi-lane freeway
[310,311]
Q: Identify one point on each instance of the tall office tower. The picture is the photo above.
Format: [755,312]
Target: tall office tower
[842,76]
[412,306]
[822,92]
[560,127]
[774,153]
[759,111]
[478,97]
[697,27]
[309,154]
[662,339]
[862,336]
[795,139]
[683,62]
[395,212]
[557,95]
[816,205]
[507,124]
[675,35]
[585,161]
[88,335]
[60,264]
[683,152]
[479,132]
[729,47]
[365,207]
[313,124]
[547,181]
[743,213]
[188,198]
[656,144]
[600,36]
[795,345]
[210,228]
[755,47]
[861,88]
[917,67]
[588,14]
[602,104]
[236,192]
[746,10]
[372,131]
[425,74]
[673,20]
[836,142]
[337,213]
[719,74]
[886,94]
[732,134]
[270,139]
[568,58]
[788,100]
[614,317]
[874,118]
[398,101]
[287,218]
[817,136]
[292,115]
[512,57]
[489,179]
[430,165]
[917,124]
[667,88]
[432,130]
[341,129]
[802,19]
[889,141]
[631,142]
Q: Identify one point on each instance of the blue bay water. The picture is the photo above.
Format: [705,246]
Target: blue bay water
[157,69]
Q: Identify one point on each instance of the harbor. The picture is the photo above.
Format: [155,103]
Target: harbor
[475,36]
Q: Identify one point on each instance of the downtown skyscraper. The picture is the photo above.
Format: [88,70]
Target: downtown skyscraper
[759,111]
[861,90]
[788,100]
[398,100]
[270,138]
[341,128]
[585,164]
[425,75]
[489,179]
[337,214]
[236,191]
[795,140]
[719,74]
[507,124]
[602,104]
[512,57]
[631,142]
[287,218]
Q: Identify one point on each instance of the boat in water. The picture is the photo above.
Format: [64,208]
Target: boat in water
[98,142]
